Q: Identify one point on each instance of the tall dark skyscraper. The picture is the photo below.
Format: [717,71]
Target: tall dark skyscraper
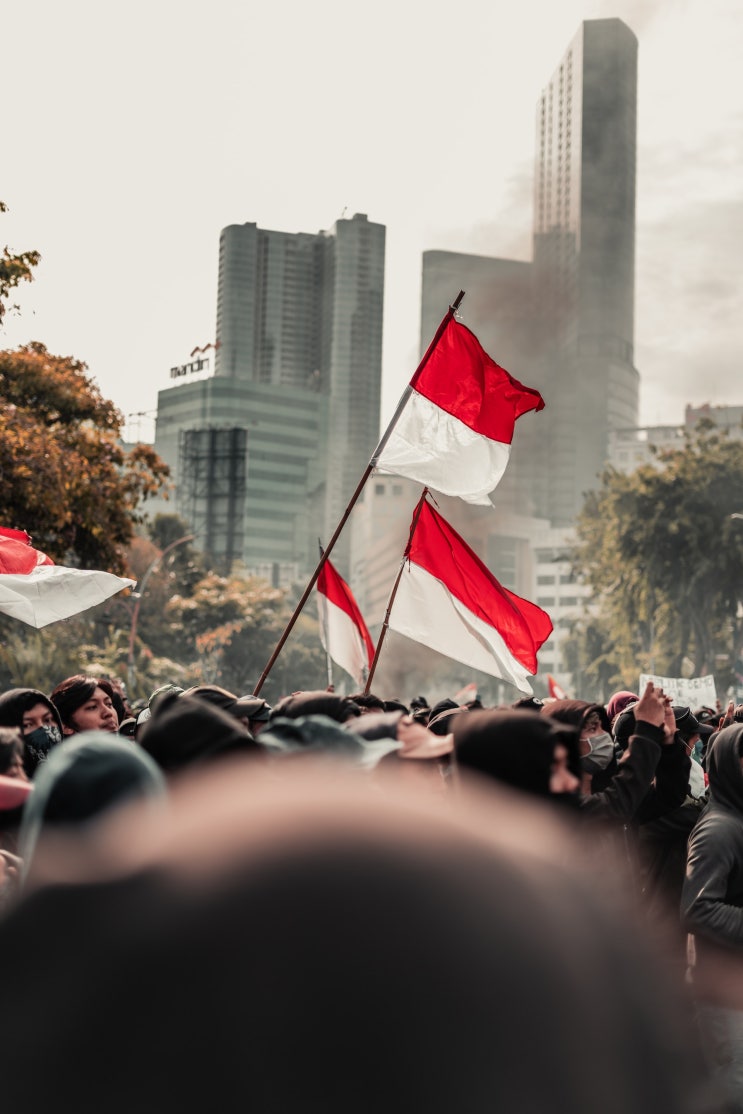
[297,368]
[564,323]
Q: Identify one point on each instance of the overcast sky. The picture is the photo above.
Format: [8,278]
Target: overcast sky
[133,133]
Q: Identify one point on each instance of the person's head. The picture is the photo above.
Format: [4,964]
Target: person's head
[186,731]
[252,901]
[315,702]
[595,742]
[37,719]
[368,702]
[689,727]
[618,702]
[530,752]
[724,767]
[82,780]
[85,704]
[11,753]
[254,712]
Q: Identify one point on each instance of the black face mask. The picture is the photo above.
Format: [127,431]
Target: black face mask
[44,738]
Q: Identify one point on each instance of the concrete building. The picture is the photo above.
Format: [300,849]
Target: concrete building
[298,353]
[631,448]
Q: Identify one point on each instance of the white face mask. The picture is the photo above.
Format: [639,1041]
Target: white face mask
[602,750]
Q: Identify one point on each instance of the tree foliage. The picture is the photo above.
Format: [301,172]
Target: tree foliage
[14,269]
[65,477]
[232,625]
[664,557]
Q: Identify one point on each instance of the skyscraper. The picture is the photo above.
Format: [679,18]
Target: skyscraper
[298,355]
[584,254]
[564,323]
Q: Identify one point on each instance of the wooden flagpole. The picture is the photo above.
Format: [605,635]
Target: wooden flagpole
[359,488]
[386,623]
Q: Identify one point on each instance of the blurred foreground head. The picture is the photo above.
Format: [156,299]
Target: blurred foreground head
[317,945]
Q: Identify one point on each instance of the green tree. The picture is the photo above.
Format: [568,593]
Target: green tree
[230,626]
[664,556]
[65,477]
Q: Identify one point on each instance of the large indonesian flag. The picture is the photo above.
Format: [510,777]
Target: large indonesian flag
[449,600]
[455,431]
[343,631]
[36,591]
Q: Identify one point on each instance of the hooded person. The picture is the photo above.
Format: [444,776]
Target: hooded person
[315,703]
[187,730]
[618,702]
[38,720]
[653,774]
[82,779]
[712,910]
[532,753]
[312,945]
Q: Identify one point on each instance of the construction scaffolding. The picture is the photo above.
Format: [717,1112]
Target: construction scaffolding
[212,470]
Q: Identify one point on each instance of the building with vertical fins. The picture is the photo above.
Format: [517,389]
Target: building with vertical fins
[294,392]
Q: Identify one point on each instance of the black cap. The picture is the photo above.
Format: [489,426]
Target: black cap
[687,723]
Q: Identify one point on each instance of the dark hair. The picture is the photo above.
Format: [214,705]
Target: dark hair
[72,693]
[367,700]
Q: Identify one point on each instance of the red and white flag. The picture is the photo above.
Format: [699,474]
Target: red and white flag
[38,592]
[455,431]
[556,691]
[449,600]
[343,631]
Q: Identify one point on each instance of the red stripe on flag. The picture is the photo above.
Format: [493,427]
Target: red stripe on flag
[331,584]
[463,380]
[438,549]
[17,556]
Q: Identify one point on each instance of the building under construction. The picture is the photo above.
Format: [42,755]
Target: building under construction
[212,468]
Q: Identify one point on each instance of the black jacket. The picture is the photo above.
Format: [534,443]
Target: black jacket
[712,896]
[630,794]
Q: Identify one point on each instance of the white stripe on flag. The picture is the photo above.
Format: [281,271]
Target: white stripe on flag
[342,640]
[426,611]
[438,450]
[53,592]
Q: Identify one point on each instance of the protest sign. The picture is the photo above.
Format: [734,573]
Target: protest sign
[691,692]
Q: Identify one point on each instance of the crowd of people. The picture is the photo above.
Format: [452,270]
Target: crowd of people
[361,904]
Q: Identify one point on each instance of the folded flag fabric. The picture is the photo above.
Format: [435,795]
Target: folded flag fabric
[455,431]
[343,631]
[38,592]
[449,600]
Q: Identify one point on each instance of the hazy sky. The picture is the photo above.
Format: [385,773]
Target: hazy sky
[133,133]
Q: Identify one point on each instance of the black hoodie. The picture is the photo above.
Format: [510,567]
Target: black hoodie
[13,705]
[712,897]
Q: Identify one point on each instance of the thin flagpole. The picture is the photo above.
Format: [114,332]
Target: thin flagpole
[360,487]
[386,623]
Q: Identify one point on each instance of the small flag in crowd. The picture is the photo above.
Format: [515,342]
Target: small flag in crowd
[449,600]
[556,691]
[38,592]
[343,631]
[455,431]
